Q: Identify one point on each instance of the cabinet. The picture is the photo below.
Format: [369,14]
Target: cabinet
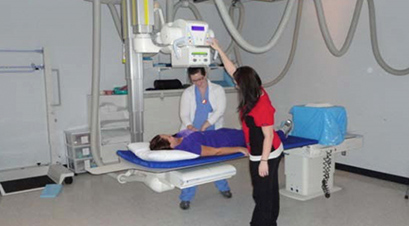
[78,150]
[114,126]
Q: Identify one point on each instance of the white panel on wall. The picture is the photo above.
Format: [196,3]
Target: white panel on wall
[23,116]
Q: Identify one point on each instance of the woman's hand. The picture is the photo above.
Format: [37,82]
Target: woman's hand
[205,126]
[190,127]
[215,45]
[263,169]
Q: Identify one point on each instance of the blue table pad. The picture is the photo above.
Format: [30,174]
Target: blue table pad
[288,143]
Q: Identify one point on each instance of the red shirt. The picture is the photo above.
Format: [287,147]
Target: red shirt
[261,115]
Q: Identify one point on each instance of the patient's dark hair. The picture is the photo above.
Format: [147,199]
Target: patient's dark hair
[158,143]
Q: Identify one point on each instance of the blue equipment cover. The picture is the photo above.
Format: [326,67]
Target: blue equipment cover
[326,124]
[288,143]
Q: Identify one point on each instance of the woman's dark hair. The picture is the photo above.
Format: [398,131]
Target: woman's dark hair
[249,84]
[158,143]
[195,70]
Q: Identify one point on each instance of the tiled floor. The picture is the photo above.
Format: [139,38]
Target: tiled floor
[101,200]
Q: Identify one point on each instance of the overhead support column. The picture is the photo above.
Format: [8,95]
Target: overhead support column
[134,78]
[96,62]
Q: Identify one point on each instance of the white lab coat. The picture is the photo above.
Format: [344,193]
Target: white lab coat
[217,98]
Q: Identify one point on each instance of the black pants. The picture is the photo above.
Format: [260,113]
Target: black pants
[265,194]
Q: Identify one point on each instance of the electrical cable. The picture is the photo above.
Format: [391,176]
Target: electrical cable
[240,23]
[290,59]
[243,43]
[375,45]
[373,34]
[326,170]
[325,32]
[187,4]
[233,45]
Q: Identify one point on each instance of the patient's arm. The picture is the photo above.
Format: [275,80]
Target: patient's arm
[209,151]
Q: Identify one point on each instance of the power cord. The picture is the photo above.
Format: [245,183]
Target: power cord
[326,171]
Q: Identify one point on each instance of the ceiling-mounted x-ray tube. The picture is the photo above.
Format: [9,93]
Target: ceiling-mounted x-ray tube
[325,32]
[243,43]
[375,45]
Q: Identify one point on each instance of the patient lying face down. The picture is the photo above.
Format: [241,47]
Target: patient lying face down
[206,143]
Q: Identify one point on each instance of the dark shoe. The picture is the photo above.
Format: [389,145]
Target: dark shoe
[184,205]
[227,194]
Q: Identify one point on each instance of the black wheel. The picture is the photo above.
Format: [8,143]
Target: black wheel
[68,180]
[406,197]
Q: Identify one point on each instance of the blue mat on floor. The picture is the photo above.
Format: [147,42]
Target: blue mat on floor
[51,191]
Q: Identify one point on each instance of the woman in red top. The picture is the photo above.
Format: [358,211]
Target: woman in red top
[264,145]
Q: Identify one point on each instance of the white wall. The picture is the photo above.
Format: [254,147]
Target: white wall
[375,101]
[65,28]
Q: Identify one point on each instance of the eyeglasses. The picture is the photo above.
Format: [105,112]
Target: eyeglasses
[198,80]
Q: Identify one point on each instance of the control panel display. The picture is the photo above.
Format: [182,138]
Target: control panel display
[198,28]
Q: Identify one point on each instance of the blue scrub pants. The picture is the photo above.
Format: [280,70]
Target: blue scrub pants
[187,194]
